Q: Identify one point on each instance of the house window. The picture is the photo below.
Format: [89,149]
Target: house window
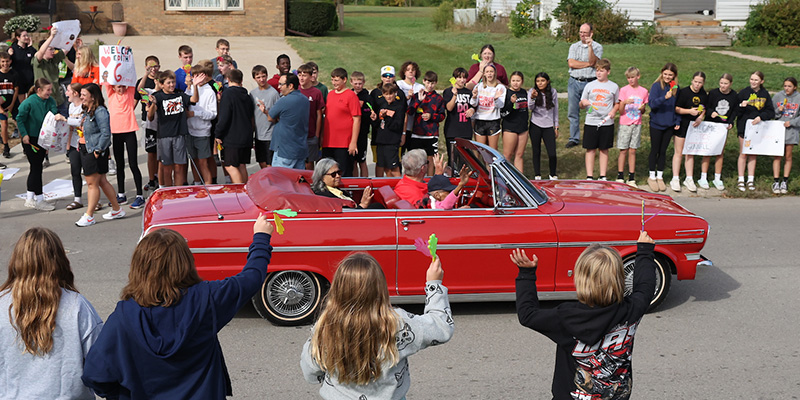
[204,5]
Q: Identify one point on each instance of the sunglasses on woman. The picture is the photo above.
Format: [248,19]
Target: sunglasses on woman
[334,174]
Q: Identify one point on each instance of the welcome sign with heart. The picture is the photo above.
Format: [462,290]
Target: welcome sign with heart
[117,66]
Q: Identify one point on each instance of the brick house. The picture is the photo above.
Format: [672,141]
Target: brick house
[182,17]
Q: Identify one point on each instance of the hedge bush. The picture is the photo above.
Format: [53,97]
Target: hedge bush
[28,22]
[443,16]
[610,26]
[311,17]
[773,22]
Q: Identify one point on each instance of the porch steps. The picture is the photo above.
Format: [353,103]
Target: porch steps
[694,31]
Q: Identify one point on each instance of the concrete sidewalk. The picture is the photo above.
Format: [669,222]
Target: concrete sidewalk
[248,51]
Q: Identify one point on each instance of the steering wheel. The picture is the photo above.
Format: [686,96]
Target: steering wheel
[475,192]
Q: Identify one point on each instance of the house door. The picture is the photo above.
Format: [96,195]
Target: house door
[685,6]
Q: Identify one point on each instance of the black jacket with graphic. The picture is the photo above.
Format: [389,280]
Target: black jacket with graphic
[759,104]
[594,344]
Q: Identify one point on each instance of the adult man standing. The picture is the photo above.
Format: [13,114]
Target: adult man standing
[582,57]
[290,114]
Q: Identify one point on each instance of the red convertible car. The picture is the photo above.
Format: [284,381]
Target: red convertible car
[556,220]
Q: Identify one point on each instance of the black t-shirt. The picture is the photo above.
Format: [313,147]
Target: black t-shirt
[8,81]
[689,99]
[456,124]
[148,84]
[389,130]
[364,96]
[21,62]
[515,114]
[171,109]
[724,104]
[377,96]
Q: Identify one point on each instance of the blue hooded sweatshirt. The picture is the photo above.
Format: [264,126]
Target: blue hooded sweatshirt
[173,352]
[662,111]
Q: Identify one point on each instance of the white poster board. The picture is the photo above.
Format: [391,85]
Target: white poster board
[66,33]
[766,138]
[117,66]
[707,139]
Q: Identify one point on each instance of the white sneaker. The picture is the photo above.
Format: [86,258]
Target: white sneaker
[718,184]
[114,214]
[553,177]
[620,180]
[703,183]
[689,183]
[112,167]
[632,183]
[537,178]
[675,184]
[30,203]
[85,221]
[44,206]
[776,187]
[784,187]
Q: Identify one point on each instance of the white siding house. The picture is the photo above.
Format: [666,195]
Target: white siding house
[728,12]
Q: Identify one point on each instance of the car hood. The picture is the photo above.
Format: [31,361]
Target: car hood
[193,203]
[595,197]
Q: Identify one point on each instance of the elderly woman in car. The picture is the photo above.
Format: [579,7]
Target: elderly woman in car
[327,178]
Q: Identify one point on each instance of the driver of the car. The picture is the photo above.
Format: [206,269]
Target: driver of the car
[412,186]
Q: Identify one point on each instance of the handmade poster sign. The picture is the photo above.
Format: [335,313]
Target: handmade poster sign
[707,139]
[766,138]
[53,135]
[117,66]
[66,33]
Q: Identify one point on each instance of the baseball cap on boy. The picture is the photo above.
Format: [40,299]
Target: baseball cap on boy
[387,70]
[440,182]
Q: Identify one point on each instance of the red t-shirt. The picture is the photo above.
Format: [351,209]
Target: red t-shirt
[315,102]
[274,82]
[339,112]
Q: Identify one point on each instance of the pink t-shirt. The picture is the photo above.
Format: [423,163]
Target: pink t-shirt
[631,114]
[121,110]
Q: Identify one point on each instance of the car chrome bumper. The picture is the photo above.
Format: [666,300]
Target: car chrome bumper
[705,262]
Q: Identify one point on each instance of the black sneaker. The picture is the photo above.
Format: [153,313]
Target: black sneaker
[571,144]
[6,151]
[3,166]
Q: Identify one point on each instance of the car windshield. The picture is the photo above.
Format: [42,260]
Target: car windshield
[510,187]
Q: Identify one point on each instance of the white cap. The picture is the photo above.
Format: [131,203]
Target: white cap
[387,69]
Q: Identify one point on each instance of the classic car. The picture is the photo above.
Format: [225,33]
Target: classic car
[498,210]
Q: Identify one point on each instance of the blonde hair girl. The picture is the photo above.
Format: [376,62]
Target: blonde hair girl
[360,344]
[87,70]
[38,298]
[594,336]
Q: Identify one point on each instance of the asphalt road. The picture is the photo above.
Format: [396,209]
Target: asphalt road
[731,333]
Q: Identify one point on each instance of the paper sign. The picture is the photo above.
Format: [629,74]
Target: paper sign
[707,139]
[66,33]
[53,134]
[117,66]
[766,138]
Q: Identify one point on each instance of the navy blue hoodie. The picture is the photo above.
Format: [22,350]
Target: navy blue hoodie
[662,111]
[173,352]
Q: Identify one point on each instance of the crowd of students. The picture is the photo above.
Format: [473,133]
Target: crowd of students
[200,116]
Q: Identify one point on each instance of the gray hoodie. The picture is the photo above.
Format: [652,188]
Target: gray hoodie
[56,375]
[415,333]
[789,113]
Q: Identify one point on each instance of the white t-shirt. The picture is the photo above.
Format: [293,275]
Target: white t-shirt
[490,100]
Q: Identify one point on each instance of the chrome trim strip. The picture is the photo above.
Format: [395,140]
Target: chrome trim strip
[289,249]
[631,242]
[691,232]
[483,297]
[488,246]
[693,256]
[477,246]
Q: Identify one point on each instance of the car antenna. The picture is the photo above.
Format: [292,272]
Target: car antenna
[219,216]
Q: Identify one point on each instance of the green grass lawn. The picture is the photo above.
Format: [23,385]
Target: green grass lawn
[377,36]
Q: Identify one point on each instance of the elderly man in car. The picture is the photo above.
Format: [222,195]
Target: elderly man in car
[412,187]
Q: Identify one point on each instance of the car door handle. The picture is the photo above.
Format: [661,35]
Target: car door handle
[407,222]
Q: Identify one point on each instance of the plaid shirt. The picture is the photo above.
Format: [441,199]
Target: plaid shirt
[433,104]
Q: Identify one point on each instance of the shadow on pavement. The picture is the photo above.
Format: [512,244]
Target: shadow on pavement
[710,284]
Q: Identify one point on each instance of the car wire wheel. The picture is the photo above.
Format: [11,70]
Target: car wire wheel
[663,280]
[289,297]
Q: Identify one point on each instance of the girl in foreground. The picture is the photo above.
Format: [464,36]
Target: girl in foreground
[594,336]
[46,326]
[161,340]
[360,344]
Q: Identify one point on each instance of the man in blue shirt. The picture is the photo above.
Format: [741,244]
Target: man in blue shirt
[290,116]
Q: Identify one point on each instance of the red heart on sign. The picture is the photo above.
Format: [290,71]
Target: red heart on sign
[105,61]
